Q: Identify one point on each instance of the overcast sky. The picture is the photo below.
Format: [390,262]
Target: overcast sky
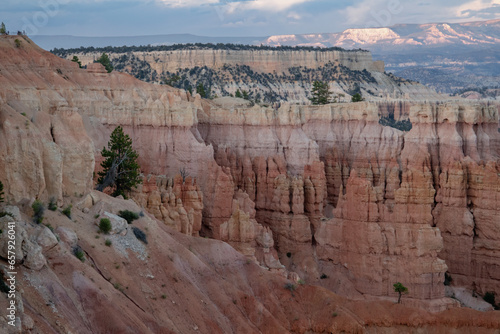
[230,17]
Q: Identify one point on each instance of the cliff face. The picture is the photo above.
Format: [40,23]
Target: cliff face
[264,61]
[325,194]
[266,75]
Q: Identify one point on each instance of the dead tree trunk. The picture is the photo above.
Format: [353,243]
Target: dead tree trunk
[111,175]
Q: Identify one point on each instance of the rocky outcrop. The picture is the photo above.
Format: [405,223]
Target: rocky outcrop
[178,202]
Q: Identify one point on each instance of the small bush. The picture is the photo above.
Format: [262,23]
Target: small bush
[78,252]
[38,210]
[301,282]
[18,43]
[290,286]
[52,204]
[108,242]
[139,234]
[129,216]
[67,211]
[323,276]
[105,225]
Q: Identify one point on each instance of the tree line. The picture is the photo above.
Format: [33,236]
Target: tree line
[193,46]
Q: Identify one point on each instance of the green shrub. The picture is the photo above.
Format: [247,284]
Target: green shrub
[78,252]
[129,216]
[301,282]
[139,234]
[105,225]
[67,211]
[18,43]
[108,242]
[290,286]
[357,98]
[52,204]
[38,210]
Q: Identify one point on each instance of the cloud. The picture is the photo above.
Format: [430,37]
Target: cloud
[479,9]
[264,5]
[294,16]
[188,3]
[273,5]
[382,13]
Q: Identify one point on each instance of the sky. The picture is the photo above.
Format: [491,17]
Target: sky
[258,18]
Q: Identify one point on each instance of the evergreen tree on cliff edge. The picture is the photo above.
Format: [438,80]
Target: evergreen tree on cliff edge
[120,168]
[320,93]
[104,60]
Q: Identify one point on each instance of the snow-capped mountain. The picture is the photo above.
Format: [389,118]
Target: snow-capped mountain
[482,33]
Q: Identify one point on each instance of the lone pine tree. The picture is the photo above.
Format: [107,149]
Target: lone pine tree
[400,289]
[120,168]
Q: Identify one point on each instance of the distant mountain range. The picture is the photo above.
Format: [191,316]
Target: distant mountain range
[402,36]
[448,57]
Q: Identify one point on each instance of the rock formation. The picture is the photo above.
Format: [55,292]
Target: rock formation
[324,194]
[266,75]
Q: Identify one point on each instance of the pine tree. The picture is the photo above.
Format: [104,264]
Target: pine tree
[3,30]
[245,95]
[238,94]
[76,60]
[320,93]
[120,168]
[400,289]
[200,89]
[104,60]
[357,98]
